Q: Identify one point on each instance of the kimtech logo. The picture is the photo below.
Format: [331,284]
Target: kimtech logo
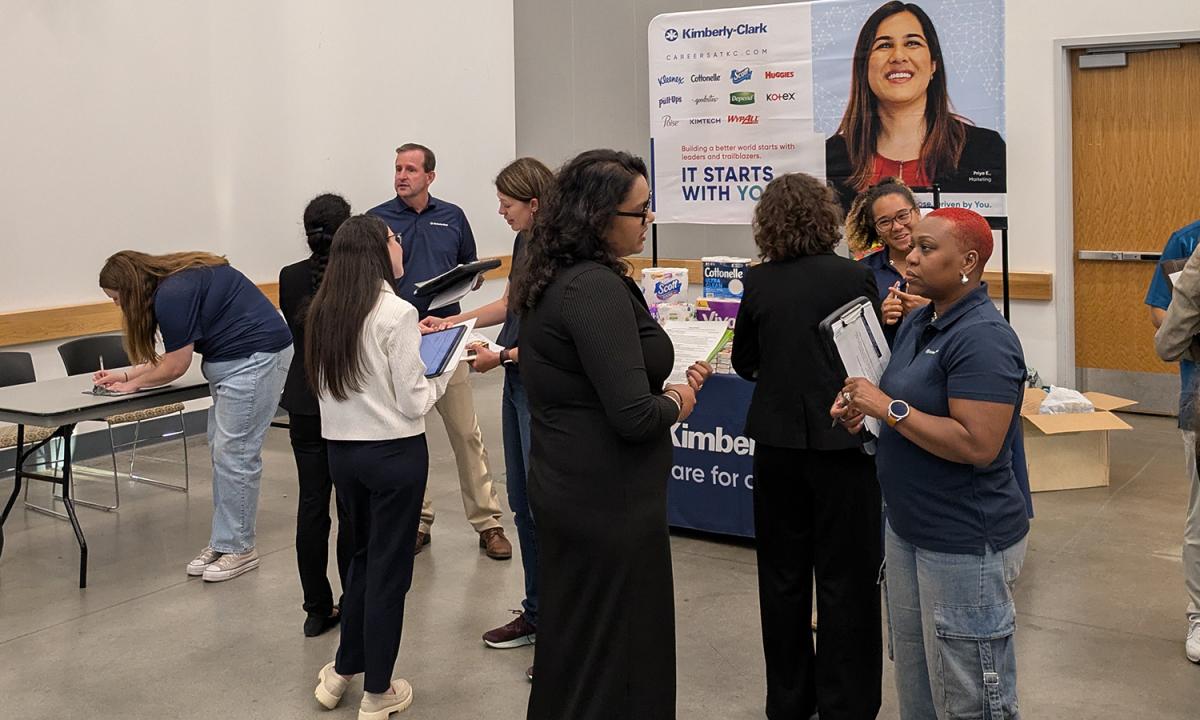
[722,31]
[740,76]
[741,98]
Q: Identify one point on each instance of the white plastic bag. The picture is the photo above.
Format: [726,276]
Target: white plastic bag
[1060,401]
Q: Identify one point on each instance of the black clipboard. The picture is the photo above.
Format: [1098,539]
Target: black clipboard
[858,306]
[438,349]
[454,276]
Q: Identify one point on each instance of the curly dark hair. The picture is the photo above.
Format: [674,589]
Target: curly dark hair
[796,216]
[574,217]
[860,221]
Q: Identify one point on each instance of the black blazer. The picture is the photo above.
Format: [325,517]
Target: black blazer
[295,292]
[981,167]
[777,344]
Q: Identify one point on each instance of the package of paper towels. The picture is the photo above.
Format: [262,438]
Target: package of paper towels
[723,276]
[663,284]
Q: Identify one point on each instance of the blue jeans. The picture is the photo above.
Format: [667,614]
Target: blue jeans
[245,394]
[515,423]
[951,623]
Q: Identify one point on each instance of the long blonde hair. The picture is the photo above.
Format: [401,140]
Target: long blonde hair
[135,276]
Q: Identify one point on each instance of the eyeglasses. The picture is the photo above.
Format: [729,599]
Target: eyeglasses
[644,214]
[884,224]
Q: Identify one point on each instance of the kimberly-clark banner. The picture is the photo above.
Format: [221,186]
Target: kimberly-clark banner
[850,91]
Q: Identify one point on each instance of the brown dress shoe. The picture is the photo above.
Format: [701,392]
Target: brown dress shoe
[495,544]
[423,539]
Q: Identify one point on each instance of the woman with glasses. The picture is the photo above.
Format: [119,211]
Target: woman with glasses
[879,232]
[362,350]
[594,364]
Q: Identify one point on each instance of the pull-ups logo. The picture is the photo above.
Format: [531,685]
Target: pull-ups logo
[740,76]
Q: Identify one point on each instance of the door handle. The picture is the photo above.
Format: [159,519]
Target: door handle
[1120,255]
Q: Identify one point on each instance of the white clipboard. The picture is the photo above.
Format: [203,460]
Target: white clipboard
[858,338]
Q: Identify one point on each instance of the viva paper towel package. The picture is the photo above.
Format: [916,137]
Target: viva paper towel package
[724,276]
[664,284]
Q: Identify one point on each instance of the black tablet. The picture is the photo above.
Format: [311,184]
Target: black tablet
[437,349]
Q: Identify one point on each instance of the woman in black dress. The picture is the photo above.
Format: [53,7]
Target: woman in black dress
[594,363]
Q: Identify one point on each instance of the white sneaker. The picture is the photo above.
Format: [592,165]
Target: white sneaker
[1192,644]
[230,565]
[207,556]
[379,706]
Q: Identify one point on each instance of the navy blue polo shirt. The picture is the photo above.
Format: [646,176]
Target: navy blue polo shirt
[435,240]
[220,311]
[886,274]
[970,353]
[1180,245]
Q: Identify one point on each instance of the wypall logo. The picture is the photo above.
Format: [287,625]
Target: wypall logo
[742,119]
[720,31]
[740,76]
[670,80]
[741,98]
[670,100]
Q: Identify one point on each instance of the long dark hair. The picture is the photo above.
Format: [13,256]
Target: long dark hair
[358,265]
[945,133]
[323,215]
[574,218]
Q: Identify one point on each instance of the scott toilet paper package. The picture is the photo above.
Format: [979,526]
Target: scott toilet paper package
[664,284]
[723,276]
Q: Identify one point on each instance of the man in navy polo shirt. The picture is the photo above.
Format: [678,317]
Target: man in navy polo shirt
[436,237]
[1181,245]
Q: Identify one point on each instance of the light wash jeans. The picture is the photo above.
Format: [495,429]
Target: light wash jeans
[951,624]
[245,394]
[1191,531]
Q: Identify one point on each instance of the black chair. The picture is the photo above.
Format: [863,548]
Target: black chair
[16,368]
[86,356]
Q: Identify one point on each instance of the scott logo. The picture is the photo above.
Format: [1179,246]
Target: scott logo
[779,74]
[670,100]
[668,288]
[668,121]
[670,80]
[741,98]
[740,76]
[742,119]
[780,97]
[671,34]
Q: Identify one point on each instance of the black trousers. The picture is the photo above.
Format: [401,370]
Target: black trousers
[381,483]
[818,512]
[312,517]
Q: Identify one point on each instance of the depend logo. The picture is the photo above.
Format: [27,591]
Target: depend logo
[671,34]
[780,97]
[704,121]
[670,80]
[723,31]
[670,100]
[668,121]
[740,76]
[742,119]
[778,74]
[715,77]
[741,98]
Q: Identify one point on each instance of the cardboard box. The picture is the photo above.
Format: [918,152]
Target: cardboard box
[1069,451]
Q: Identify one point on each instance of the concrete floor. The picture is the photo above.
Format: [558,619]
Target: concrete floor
[1100,605]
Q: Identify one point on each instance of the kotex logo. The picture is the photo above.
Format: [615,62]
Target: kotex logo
[669,100]
[670,80]
[745,97]
[740,76]
[742,119]
[780,97]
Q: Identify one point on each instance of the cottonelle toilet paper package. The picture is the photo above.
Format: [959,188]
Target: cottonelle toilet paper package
[663,284]
[724,275]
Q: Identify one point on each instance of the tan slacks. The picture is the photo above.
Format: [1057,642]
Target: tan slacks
[457,408]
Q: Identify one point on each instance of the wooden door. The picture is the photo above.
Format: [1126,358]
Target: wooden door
[1136,153]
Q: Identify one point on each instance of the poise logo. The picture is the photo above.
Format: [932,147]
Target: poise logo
[719,31]
[669,100]
[740,76]
[668,121]
[780,97]
[779,74]
[671,34]
[715,77]
[742,119]
[705,99]
[670,80]
[716,441]
[704,121]
[741,98]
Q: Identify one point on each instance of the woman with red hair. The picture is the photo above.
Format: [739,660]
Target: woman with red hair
[956,520]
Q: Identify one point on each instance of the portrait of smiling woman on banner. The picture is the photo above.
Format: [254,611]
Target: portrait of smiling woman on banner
[899,120]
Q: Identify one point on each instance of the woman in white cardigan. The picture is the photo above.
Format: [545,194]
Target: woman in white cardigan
[362,348]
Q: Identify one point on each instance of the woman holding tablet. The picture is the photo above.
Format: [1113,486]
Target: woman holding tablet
[362,351]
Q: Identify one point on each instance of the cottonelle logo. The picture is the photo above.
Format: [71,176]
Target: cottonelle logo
[778,74]
[780,97]
[670,80]
[742,119]
[740,76]
[715,77]
[741,98]
[670,100]
[705,99]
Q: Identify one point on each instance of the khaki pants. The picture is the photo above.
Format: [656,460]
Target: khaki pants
[457,408]
[1191,532]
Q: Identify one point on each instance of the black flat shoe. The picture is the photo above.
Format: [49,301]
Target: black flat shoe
[316,625]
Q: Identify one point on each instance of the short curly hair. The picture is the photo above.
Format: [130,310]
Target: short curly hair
[796,216]
[861,234]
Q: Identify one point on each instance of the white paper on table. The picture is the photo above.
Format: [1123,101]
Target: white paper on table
[863,349]
[694,340]
[454,293]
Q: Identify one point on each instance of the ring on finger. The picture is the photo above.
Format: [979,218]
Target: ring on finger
[846,397]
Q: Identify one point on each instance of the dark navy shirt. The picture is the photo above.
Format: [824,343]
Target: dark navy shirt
[512,322]
[970,353]
[220,311]
[434,241]
[1180,245]
[886,275]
